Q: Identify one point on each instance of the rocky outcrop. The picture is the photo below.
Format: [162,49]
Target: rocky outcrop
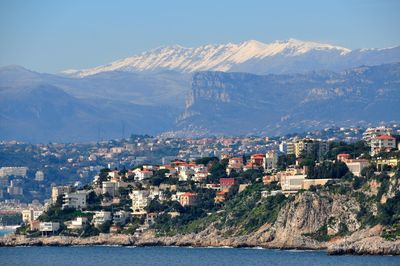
[365,242]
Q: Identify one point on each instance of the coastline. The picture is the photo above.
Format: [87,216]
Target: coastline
[359,243]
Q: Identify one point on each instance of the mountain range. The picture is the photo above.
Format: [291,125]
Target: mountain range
[291,56]
[245,88]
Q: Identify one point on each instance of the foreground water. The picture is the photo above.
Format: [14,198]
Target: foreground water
[178,256]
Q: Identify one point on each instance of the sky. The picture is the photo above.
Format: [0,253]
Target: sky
[51,36]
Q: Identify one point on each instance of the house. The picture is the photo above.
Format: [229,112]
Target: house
[143,174]
[120,217]
[392,162]
[113,174]
[30,215]
[270,161]
[58,191]
[110,188]
[226,183]
[101,217]
[292,183]
[188,199]
[140,200]
[373,132]
[382,143]
[357,165]
[49,227]
[234,164]
[200,176]
[151,218]
[343,157]
[78,223]
[75,200]
[257,159]
[269,178]
[220,197]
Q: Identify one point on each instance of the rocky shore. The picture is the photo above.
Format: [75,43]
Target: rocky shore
[365,242]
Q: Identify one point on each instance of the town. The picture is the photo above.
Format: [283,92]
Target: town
[148,183]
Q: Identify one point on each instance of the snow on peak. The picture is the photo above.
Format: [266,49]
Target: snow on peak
[219,57]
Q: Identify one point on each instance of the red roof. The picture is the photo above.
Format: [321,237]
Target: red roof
[227,181]
[257,155]
[385,137]
[343,155]
[188,194]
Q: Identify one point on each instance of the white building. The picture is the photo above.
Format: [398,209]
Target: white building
[75,200]
[357,165]
[58,191]
[39,176]
[373,132]
[120,217]
[142,174]
[382,143]
[101,217]
[49,227]
[140,200]
[30,215]
[15,171]
[78,223]
[292,182]
[110,187]
[270,160]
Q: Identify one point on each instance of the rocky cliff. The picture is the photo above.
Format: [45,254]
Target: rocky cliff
[239,103]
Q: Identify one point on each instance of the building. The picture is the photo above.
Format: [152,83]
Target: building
[151,218]
[143,174]
[120,217]
[188,199]
[15,189]
[292,182]
[110,188]
[58,191]
[257,159]
[357,165]
[75,200]
[78,223]
[200,176]
[234,164]
[101,217]
[226,183]
[13,171]
[373,132]
[311,148]
[270,160]
[269,178]
[49,227]
[220,197]
[381,163]
[343,157]
[30,215]
[382,143]
[39,176]
[140,200]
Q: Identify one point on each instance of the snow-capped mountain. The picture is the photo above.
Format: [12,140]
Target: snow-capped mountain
[251,56]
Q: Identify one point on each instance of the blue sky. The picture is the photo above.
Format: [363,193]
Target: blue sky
[50,36]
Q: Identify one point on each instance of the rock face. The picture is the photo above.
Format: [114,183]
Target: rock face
[239,103]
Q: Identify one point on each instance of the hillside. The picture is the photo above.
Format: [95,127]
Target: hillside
[242,103]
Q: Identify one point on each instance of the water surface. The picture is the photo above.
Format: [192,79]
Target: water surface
[103,255]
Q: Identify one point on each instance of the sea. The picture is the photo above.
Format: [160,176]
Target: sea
[110,255]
